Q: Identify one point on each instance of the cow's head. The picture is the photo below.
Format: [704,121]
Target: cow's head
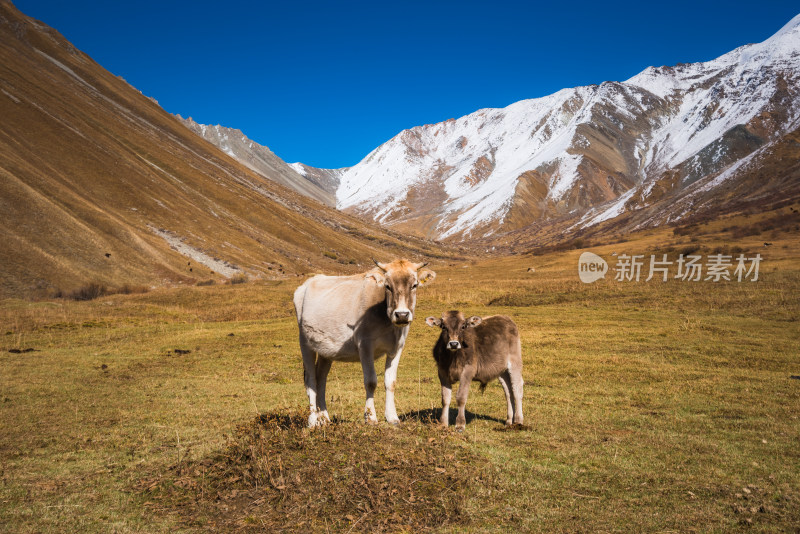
[454,326]
[400,280]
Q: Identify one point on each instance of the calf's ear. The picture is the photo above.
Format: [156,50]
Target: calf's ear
[425,276]
[474,321]
[377,276]
[433,321]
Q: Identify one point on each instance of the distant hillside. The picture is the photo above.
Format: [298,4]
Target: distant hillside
[98,183]
[262,160]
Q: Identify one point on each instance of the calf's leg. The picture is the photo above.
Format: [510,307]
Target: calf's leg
[517,384]
[461,398]
[505,381]
[447,392]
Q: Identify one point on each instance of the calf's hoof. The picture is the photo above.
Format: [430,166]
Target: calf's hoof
[460,427]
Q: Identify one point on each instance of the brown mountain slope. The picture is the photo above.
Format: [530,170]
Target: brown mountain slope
[768,180]
[98,183]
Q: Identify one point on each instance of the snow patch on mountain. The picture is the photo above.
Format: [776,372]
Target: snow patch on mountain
[662,119]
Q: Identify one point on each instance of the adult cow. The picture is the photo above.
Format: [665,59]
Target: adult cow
[357,318]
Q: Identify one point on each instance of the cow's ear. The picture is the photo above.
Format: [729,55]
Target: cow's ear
[474,321]
[376,276]
[425,276]
[433,321]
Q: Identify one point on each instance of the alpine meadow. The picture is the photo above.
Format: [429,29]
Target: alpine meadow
[157,372]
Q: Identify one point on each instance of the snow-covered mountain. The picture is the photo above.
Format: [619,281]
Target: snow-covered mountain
[316,184]
[588,153]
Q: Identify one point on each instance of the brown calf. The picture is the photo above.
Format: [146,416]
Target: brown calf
[479,349]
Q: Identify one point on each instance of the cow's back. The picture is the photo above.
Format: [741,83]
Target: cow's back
[328,310]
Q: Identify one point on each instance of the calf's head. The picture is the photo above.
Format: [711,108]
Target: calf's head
[454,326]
[400,280]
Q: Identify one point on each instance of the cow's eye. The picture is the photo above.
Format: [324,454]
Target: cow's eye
[389,289]
[414,286]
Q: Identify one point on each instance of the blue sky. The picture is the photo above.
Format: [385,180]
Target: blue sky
[326,82]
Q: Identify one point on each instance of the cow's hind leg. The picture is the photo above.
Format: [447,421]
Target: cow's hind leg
[370,382]
[322,368]
[310,380]
[505,381]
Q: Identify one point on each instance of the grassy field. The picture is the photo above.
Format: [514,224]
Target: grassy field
[658,406]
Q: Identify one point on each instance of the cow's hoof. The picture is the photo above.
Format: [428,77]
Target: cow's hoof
[370,419]
[312,420]
[393,422]
[460,428]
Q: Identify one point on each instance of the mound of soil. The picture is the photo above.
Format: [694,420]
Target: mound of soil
[277,475]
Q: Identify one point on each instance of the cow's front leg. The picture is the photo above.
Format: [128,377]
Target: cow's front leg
[461,398]
[367,357]
[390,381]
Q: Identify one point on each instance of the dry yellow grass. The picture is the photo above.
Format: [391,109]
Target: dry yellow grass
[652,406]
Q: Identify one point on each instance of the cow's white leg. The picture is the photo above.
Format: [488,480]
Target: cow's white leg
[322,368]
[310,379]
[367,357]
[517,384]
[505,381]
[390,381]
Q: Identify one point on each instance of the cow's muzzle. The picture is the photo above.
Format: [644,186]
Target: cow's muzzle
[454,345]
[402,317]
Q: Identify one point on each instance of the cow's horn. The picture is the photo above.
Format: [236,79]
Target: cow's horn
[381,267]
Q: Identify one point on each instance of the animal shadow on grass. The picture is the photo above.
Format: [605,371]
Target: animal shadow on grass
[431,416]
